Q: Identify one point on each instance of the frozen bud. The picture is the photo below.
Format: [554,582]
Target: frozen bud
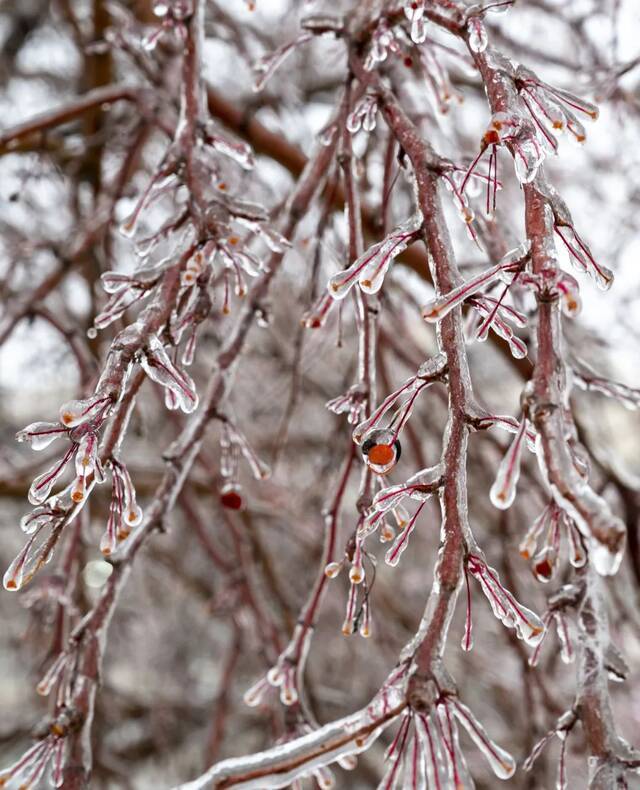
[356,574]
[288,690]
[78,490]
[387,533]
[78,412]
[528,155]
[577,551]
[254,695]
[86,454]
[527,625]
[231,496]
[569,289]
[545,564]
[581,256]
[109,539]
[14,575]
[503,491]
[381,450]
[477,33]
[332,569]
[316,317]
[364,427]
[527,547]
[502,126]
[348,762]
[40,434]
[52,674]
[113,282]
[363,115]
[413,9]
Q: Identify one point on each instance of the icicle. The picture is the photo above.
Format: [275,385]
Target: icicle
[503,491]
[392,557]
[40,434]
[501,762]
[160,368]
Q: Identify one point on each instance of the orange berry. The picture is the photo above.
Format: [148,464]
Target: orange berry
[381,454]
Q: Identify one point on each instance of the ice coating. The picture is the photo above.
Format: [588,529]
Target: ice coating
[334,741]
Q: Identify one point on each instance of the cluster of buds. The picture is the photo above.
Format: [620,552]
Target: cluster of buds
[567,597]
[579,253]
[285,673]
[363,115]
[124,511]
[383,41]
[414,11]
[436,74]
[80,422]
[358,609]
[389,501]
[49,750]
[370,268]
[512,614]
[125,291]
[553,282]
[551,109]
[528,153]
[233,444]
[49,516]
[587,379]
[542,542]
[180,391]
[426,749]
[494,314]
[29,770]
[352,403]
